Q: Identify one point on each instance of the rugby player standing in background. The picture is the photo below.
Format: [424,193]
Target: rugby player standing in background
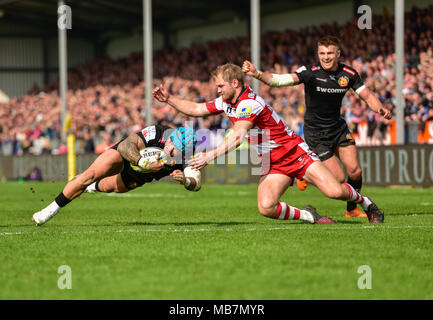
[325,131]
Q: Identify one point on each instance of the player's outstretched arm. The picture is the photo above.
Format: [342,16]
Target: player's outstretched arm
[233,141]
[190,108]
[271,79]
[374,103]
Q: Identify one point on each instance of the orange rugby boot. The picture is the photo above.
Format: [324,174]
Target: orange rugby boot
[355,213]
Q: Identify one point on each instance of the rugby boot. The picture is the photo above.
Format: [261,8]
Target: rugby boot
[318,219]
[374,214]
[355,213]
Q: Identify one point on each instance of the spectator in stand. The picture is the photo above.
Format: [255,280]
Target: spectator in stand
[109,94]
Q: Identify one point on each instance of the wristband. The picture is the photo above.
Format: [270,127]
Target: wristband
[259,75]
[281,80]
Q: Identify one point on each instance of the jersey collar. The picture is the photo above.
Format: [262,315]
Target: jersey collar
[240,95]
[339,67]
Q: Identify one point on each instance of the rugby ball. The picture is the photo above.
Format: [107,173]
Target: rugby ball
[194,174]
[150,154]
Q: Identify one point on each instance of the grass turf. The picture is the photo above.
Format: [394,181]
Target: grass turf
[163,242]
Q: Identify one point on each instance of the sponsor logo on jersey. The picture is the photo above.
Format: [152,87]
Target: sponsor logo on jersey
[315,68]
[244,112]
[299,70]
[349,71]
[149,133]
[330,90]
[322,79]
[349,136]
[231,112]
[343,81]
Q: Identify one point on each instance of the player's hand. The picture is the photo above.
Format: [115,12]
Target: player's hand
[153,166]
[178,176]
[160,93]
[249,69]
[385,113]
[199,161]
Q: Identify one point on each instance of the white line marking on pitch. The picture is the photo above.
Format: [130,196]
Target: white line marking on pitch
[297,227]
[148,195]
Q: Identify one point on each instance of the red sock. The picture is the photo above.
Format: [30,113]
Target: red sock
[356,197]
[286,212]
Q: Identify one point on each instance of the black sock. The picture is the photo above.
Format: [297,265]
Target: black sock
[96,186]
[61,200]
[357,185]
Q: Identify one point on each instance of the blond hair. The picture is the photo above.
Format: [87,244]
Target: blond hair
[229,72]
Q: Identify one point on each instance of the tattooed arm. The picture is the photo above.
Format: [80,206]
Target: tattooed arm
[130,148]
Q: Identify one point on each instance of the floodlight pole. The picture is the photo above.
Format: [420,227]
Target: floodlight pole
[63,72]
[255,39]
[399,68]
[148,65]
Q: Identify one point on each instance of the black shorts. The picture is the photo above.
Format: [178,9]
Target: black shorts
[323,142]
[133,179]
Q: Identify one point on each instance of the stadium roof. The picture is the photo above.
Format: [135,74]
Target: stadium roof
[96,17]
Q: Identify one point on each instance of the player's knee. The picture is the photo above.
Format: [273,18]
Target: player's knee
[355,173]
[334,192]
[340,177]
[267,208]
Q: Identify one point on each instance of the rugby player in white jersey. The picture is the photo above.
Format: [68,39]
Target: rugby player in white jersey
[285,155]
[325,131]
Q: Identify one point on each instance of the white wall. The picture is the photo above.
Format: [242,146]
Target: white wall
[21,52]
[341,12]
[227,30]
[79,51]
[18,83]
[123,46]
[27,52]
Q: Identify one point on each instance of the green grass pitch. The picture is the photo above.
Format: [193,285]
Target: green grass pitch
[163,242]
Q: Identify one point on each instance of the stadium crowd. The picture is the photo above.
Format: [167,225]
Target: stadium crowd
[106,97]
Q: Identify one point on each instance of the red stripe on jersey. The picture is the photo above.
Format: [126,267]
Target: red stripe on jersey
[349,71]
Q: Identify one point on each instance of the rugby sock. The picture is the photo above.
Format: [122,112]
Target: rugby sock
[61,200]
[53,207]
[357,185]
[93,187]
[356,197]
[286,212]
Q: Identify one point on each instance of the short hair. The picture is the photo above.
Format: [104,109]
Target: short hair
[329,41]
[229,72]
